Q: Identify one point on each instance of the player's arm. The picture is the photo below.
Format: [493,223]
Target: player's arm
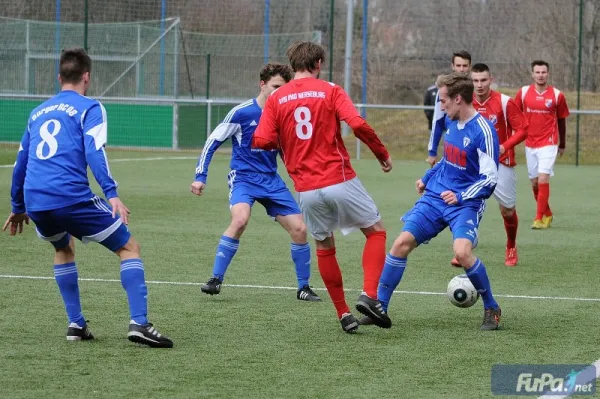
[517,123]
[437,128]
[266,134]
[346,112]
[17,198]
[487,150]
[229,127]
[431,172]
[562,114]
[94,140]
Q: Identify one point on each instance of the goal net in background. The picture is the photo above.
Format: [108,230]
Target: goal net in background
[186,51]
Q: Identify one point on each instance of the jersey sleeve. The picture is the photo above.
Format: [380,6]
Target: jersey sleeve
[17,198]
[437,127]
[95,130]
[226,129]
[265,136]
[487,150]
[519,99]
[517,124]
[562,109]
[346,111]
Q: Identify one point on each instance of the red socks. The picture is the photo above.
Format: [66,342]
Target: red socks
[373,260]
[536,191]
[542,201]
[511,225]
[332,277]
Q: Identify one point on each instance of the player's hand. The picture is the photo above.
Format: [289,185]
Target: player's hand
[431,160]
[386,165]
[118,207]
[502,149]
[197,188]
[561,152]
[420,186]
[15,220]
[449,197]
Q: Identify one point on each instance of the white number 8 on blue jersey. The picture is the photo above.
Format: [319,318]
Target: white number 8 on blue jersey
[48,139]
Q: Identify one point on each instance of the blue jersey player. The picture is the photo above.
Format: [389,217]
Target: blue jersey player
[453,195]
[50,185]
[254,177]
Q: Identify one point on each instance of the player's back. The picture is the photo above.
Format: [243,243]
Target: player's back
[310,134]
[56,166]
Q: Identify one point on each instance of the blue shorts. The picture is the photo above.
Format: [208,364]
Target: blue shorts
[268,189]
[431,215]
[88,221]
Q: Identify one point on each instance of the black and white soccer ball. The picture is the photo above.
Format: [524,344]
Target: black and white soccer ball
[461,292]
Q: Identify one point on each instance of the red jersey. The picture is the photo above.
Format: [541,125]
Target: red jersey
[509,121]
[302,119]
[542,110]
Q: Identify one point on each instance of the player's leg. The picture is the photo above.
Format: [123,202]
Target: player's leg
[465,225]
[321,220]
[49,228]
[356,210]
[281,205]
[92,221]
[300,253]
[421,223]
[547,159]
[506,195]
[240,204]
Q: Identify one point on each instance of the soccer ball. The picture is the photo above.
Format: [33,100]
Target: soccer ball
[461,292]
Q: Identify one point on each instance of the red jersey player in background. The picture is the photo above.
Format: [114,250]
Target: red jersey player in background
[302,119]
[546,110]
[511,127]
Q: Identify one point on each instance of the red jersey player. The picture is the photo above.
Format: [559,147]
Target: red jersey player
[546,110]
[511,127]
[302,119]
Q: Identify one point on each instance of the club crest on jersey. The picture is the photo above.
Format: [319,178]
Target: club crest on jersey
[548,103]
[493,119]
[466,141]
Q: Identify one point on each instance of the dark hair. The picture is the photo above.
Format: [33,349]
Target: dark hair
[74,62]
[458,83]
[461,54]
[479,67]
[305,56]
[273,69]
[539,63]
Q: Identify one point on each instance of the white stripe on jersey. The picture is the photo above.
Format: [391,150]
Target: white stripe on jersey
[221,133]
[487,133]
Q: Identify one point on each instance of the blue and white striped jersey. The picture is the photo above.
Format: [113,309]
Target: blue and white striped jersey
[64,135]
[239,125]
[469,167]
[439,124]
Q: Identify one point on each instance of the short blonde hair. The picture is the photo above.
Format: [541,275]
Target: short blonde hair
[458,84]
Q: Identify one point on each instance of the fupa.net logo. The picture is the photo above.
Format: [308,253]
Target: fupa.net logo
[547,379]
[547,382]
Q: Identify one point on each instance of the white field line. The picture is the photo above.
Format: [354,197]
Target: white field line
[275,287]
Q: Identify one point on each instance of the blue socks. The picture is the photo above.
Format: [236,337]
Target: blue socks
[479,278]
[225,253]
[301,258]
[132,280]
[66,278]
[393,269]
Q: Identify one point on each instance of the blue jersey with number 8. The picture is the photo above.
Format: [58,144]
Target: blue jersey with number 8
[63,136]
